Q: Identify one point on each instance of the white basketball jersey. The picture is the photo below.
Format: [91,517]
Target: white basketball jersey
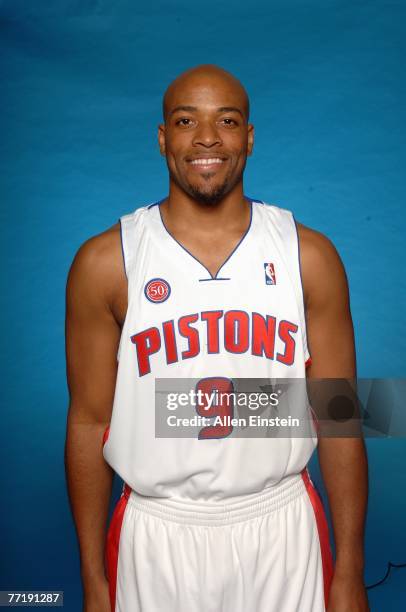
[246,322]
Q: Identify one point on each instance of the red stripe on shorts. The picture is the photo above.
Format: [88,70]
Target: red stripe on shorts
[322,528]
[112,543]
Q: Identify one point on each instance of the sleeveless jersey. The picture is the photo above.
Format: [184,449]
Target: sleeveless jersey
[246,322]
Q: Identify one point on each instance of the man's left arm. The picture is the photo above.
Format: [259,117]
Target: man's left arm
[343,460]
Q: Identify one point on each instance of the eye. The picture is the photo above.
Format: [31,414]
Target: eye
[229,122]
[183,122]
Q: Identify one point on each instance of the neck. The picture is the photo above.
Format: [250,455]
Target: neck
[182,211]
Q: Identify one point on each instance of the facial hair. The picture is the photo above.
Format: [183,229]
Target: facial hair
[211,197]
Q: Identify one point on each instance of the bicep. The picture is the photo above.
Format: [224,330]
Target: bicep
[92,338]
[328,316]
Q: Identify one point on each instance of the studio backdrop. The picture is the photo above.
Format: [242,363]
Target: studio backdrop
[81,83]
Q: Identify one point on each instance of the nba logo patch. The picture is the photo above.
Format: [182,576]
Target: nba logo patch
[270,278]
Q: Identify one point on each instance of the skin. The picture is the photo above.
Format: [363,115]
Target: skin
[208,199]
[206,212]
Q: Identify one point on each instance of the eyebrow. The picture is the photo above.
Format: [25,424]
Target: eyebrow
[222,109]
[230,109]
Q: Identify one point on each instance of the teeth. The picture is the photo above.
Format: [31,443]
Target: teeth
[206,162]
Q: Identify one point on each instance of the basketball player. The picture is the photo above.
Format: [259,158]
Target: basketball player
[208,284]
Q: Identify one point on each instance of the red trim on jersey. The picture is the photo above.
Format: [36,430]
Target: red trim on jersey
[322,528]
[106,435]
[112,544]
[308,363]
[315,421]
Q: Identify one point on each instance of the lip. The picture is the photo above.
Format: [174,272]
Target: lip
[210,155]
[206,162]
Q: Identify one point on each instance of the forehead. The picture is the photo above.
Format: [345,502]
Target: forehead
[205,93]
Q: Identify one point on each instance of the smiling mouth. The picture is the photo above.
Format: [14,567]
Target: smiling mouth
[206,161]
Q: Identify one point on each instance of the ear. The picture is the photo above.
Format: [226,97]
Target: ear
[161,138]
[250,137]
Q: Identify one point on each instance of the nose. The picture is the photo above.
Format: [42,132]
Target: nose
[207,135]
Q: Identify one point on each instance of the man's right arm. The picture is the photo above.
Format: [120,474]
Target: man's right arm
[92,338]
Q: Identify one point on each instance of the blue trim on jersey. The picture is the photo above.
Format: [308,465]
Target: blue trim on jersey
[195,258]
[203,280]
[122,247]
[242,238]
[254,200]
[156,203]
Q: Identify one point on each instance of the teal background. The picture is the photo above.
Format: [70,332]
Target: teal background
[81,94]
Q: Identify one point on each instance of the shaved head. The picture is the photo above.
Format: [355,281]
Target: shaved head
[202,77]
[205,135]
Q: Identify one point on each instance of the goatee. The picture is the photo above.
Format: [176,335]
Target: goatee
[209,198]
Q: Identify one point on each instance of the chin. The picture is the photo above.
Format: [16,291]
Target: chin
[209,198]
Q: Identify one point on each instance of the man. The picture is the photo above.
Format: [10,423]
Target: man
[214,522]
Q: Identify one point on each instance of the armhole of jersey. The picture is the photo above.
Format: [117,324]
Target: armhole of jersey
[291,239]
[126,231]
[126,236]
[285,224]
[300,297]
[122,247]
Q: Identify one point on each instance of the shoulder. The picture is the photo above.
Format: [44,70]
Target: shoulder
[98,264]
[320,262]
[316,246]
[99,253]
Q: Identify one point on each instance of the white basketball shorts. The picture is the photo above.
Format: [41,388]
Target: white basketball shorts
[266,552]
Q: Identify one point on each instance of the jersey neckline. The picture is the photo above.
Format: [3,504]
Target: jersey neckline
[157,205]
